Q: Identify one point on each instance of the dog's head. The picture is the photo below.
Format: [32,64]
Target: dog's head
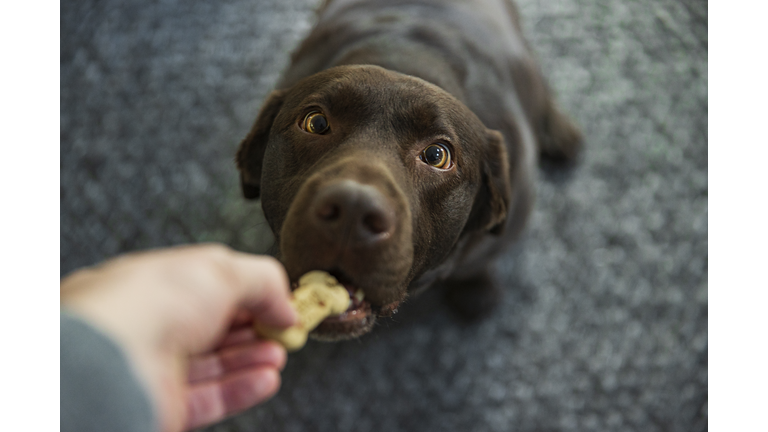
[372,176]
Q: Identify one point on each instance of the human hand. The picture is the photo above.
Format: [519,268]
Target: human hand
[183,316]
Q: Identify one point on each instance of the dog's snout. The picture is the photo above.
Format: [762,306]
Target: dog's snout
[354,212]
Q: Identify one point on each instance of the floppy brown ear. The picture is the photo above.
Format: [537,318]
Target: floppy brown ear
[250,155]
[491,205]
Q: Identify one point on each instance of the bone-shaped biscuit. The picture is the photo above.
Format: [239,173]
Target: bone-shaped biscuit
[318,296]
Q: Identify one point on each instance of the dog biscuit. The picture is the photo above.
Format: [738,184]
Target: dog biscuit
[318,296]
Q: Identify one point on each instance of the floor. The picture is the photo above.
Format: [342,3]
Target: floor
[604,326]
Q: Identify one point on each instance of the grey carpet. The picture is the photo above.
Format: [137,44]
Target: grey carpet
[604,327]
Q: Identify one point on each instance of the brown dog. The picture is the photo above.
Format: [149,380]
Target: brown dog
[399,151]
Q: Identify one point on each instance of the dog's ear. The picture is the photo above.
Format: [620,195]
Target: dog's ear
[250,155]
[491,205]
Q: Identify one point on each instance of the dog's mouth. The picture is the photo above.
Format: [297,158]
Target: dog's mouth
[359,317]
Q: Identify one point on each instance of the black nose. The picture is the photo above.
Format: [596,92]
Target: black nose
[353,212]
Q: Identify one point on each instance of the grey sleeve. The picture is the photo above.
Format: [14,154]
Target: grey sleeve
[99,390]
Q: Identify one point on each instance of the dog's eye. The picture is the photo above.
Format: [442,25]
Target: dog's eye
[437,155]
[315,123]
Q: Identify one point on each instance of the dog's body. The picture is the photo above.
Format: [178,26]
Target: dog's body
[398,85]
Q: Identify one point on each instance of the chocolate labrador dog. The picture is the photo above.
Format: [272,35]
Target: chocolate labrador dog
[399,151]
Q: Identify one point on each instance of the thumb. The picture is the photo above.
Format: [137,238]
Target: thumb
[263,289]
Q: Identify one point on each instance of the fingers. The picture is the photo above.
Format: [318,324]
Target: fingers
[243,317]
[233,379]
[229,360]
[264,289]
[236,337]
[212,401]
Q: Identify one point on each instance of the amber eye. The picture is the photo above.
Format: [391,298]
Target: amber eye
[315,123]
[437,155]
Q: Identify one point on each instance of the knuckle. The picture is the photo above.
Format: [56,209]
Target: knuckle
[208,263]
[271,261]
[274,267]
[216,251]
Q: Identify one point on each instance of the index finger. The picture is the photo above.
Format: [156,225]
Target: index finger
[264,289]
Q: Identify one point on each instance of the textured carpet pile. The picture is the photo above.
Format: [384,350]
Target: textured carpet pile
[604,326]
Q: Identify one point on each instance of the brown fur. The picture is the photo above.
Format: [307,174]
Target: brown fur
[393,77]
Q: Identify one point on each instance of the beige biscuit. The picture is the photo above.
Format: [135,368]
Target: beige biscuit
[318,296]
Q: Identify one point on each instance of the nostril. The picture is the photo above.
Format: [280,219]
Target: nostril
[348,210]
[329,211]
[376,222]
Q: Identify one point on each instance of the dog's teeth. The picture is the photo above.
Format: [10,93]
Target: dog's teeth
[359,295]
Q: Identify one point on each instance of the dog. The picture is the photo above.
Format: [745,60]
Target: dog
[399,151]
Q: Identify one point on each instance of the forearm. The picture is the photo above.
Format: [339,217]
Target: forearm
[100,390]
